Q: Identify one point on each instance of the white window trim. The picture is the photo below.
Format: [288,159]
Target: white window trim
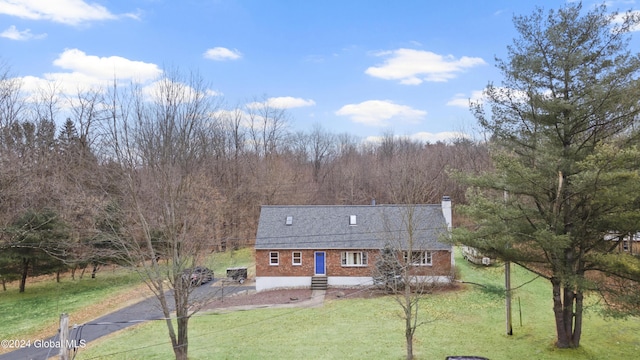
[293,258]
[426,258]
[277,258]
[344,259]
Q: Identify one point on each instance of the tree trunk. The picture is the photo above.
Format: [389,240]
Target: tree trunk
[567,313]
[568,309]
[167,315]
[4,284]
[25,271]
[181,298]
[409,337]
[408,317]
[182,347]
[562,340]
[577,331]
[94,271]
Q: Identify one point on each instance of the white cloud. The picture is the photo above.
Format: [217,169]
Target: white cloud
[70,12]
[14,34]
[515,96]
[380,112]
[105,68]
[283,102]
[89,71]
[214,93]
[228,117]
[462,100]
[619,19]
[412,67]
[221,54]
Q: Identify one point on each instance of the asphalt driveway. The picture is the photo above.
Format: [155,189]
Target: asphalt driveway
[145,310]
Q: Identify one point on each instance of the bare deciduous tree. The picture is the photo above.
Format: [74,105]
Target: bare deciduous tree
[404,267]
[160,140]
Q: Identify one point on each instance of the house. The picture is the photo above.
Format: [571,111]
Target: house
[629,243]
[339,245]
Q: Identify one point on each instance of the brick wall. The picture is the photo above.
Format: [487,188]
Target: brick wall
[441,264]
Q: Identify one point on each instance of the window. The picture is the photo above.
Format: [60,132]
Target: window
[352,220]
[296,258]
[418,258]
[274,258]
[289,220]
[354,258]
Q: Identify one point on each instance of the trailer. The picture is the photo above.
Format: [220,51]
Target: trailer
[238,274]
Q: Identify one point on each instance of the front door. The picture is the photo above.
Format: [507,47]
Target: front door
[320,263]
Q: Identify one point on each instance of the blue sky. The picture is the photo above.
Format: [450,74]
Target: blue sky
[361,67]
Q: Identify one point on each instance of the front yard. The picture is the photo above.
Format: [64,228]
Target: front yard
[465,322]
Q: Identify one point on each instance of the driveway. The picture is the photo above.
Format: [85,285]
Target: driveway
[142,311]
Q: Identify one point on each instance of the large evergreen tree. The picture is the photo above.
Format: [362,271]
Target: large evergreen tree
[38,244]
[566,187]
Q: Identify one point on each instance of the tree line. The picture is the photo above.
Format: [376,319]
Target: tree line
[76,169]
[159,177]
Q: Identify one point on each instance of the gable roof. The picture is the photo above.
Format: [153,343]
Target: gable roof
[327,227]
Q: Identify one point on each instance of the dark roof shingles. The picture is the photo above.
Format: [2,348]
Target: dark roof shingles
[327,227]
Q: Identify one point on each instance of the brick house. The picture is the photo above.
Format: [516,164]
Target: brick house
[339,245]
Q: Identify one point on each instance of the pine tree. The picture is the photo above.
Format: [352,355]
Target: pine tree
[566,183]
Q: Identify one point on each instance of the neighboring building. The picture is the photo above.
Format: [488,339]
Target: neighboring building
[339,245]
[629,243]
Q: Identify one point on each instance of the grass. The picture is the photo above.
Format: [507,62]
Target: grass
[469,321]
[465,322]
[219,262]
[36,312]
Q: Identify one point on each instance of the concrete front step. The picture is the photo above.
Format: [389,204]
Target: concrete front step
[319,283]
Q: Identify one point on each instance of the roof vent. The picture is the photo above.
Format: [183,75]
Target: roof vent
[352,220]
[289,220]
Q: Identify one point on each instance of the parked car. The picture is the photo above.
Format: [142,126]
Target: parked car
[198,275]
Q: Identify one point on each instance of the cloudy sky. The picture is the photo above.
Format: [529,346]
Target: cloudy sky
[365,67]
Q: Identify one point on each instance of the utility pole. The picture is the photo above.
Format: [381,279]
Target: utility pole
[507,285]
[64,336]
[507,282]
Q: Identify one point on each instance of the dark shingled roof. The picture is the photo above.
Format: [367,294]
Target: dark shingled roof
[327,227]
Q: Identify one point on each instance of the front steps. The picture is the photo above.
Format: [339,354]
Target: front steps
[319,283]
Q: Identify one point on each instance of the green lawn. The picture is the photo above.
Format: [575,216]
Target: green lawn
[37,311]
[466,322]
[40,306]
[219,262]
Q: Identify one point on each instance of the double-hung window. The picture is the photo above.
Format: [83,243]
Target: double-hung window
[354,258]
[418,258]
[274,258]
[296,258]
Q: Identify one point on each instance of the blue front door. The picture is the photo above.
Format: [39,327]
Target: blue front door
[320,270]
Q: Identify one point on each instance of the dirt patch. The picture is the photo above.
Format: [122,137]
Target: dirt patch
[287,296]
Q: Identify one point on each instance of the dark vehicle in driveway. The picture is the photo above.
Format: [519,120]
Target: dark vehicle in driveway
[198,275]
